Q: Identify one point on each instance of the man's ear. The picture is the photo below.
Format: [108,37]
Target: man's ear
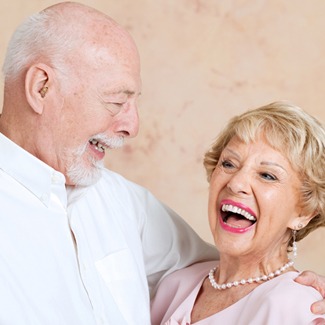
[37,84]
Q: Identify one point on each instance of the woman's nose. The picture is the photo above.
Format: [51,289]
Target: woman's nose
[239,183]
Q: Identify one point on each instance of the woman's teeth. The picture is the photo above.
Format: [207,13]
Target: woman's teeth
[234,209]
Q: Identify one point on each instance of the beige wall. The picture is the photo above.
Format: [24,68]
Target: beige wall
[204,61]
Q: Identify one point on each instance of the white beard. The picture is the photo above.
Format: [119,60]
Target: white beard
[85,173]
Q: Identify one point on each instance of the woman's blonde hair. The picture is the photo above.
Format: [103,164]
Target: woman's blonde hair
[298,136]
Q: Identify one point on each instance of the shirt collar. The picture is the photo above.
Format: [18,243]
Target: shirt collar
[28,170]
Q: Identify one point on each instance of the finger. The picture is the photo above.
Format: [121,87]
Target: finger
[318,307]
[307,278]
[318,321]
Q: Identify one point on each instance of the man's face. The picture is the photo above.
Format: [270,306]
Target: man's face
[98,111]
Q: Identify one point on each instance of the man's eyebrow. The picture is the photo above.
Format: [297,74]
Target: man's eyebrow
[122,91]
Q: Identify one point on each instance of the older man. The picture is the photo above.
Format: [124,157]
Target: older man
[79,244]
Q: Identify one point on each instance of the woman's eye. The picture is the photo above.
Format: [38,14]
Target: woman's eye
[268,177]
[227,164]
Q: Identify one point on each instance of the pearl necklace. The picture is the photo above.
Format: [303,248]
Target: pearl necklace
[260,278]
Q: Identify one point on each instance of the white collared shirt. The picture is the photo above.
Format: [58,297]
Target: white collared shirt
[39,273]
[124,237]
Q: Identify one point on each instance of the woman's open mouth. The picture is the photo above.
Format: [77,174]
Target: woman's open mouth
[236,219]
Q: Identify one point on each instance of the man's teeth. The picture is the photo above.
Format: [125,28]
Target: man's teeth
[234,209]
[97,145]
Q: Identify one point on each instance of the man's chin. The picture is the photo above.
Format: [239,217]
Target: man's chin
[87,182]
[84,178]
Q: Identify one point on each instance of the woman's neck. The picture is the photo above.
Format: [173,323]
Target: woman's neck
[211,300]
[237,268]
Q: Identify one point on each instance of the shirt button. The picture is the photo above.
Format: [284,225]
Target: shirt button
[55,178]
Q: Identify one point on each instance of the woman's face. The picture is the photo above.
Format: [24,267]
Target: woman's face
[253,199]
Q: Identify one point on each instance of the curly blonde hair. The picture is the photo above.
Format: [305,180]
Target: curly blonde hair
[298,136]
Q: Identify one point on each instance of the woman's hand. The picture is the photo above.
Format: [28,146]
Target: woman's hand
[316,281]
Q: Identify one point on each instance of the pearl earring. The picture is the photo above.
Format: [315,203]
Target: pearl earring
[294,244]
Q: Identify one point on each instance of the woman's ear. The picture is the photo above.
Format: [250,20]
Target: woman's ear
[301,221]
[37,83]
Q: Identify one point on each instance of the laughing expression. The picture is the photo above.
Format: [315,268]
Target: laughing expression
[98,112]
[253,199]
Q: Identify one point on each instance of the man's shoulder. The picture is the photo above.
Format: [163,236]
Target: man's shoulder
[111,176]
[118,188]
[110,185]
[111,181]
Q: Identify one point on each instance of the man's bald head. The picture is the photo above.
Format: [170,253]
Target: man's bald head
[72,79]
[59,33]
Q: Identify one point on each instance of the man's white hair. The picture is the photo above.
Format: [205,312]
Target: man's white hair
[44,36]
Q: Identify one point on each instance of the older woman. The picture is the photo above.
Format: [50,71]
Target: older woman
[267,191]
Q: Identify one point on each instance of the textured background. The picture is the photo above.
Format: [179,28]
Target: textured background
[202,62]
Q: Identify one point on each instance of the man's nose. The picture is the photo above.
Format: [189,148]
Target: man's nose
[127,121]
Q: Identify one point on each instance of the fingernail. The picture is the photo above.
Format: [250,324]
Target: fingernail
[317,309]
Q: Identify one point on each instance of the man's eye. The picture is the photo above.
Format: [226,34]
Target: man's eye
[117,104]
[113,107]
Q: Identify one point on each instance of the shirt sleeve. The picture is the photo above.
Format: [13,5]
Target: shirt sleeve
[169,243]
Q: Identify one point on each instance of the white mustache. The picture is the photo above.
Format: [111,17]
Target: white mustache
[110,142]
